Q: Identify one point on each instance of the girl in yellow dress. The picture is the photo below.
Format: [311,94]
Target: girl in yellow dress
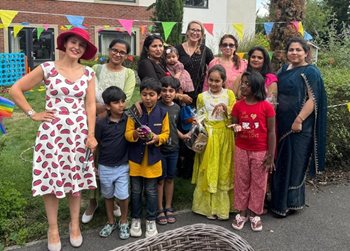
[213,168]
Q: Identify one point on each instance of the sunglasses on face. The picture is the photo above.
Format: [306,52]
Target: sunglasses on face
[116,52]
[225,45]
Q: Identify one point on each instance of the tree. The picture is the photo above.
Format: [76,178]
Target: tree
[171,11]
[341,9]
[283,13]
[317,18]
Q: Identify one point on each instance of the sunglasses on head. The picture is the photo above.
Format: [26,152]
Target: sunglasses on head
[225,45]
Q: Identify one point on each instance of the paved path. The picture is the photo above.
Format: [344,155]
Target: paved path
[323,225]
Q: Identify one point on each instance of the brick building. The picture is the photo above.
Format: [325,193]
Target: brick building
[100,16]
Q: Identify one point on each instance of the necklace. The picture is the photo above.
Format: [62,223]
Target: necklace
[190,50]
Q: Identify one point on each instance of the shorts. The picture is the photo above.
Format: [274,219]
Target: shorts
[114,181]
[169,163]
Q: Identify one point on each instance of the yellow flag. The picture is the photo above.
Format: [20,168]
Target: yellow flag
[16,30]
[7,16]
[1,26]
[239,28]
[301,28]
[240,55]
[349,106]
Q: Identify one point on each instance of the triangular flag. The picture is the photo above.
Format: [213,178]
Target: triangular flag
[24,23]
[143,29]
[307,36]
[348,106]
[39,30]
[296,25]
[1,26]
[62,28]
[106,26]
[68,26]
[268,27]
[240,55]
[16,30]
[239,28]
[46,27]
[167,28]
[76,21]
[7,16]
[127,25]
[270,54]
[209,27]
[150,28]
[301,28]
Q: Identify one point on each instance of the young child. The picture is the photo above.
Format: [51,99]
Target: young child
[113,160]
[170,151]
[254,124]
[177,70]
[213,168]
[145,156]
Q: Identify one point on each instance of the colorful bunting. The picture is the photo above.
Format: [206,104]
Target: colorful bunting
[1,26]
[307,36]
[296,25]
[46,27]
[62,28]
[150,28]
[239,28]
[301,28]
[167,28]
[68,26]
[127,25]
[7,16]
[39,30]
[270,54]
[240,54]
[143,29]
[348,106]
[76,21]
[16,30]
[209,27]
[268,27]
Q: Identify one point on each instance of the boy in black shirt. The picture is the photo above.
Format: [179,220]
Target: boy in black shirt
[113,165]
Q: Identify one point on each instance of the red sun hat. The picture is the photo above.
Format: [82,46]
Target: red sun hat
[84,35]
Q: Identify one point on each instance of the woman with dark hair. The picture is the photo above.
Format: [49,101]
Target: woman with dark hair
[151,62]
[229,59]
[195,55]
[301,116]
[111,74]
[259,60]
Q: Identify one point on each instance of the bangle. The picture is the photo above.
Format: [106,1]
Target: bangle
[300,118]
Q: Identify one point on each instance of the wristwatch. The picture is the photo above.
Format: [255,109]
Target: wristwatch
[30,113]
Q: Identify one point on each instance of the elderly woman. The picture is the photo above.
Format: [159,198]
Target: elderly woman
[301,116]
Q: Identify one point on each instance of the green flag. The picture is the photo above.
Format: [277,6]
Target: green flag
[39,30]
[167,28]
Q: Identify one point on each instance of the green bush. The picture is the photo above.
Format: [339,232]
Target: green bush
[12,222]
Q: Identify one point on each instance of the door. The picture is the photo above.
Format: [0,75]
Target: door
[36,50]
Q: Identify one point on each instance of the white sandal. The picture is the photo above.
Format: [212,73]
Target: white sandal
[254,222]
[239,221]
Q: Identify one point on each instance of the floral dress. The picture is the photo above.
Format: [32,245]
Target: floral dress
[59,153]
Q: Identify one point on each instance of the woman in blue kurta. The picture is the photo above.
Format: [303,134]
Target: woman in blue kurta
[301,119]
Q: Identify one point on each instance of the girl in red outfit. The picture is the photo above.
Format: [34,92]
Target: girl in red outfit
[254,124]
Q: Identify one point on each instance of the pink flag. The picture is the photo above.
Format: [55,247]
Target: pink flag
[46,27]
[209,27]
[127,24]
[296,25]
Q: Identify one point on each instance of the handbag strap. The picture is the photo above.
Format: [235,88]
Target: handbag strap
[201,70]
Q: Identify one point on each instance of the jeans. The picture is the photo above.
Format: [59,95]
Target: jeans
[149,185]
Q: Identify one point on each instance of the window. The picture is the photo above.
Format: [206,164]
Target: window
[196,3]
[105,38]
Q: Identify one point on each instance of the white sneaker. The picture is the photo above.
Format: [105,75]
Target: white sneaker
[135,230]
[116,211]
[151,228]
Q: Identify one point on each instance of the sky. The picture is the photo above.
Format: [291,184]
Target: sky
[260,7]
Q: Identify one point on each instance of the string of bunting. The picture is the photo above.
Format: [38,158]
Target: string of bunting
[7,16]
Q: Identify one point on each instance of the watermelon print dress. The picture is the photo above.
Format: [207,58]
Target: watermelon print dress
[59,151]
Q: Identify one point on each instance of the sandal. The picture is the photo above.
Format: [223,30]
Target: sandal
[161,218]
[239,221]
[255,223]
[169,212]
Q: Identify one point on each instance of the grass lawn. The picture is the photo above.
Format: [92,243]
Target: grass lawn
[15,161]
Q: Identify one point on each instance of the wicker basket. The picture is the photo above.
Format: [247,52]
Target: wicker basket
[192,237]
